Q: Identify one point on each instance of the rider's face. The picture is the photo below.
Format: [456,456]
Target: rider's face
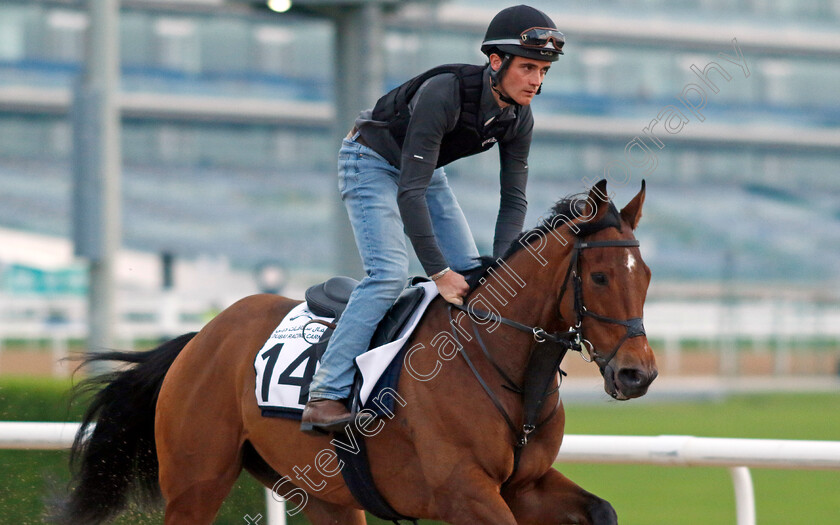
[522,78]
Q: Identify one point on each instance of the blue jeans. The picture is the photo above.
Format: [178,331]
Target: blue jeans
[368,186]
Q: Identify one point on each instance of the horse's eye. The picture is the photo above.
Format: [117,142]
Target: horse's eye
[600,278]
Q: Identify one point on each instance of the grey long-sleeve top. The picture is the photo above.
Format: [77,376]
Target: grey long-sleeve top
[435,110]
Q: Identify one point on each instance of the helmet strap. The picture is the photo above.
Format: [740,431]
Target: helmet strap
[496,79]
[504,98]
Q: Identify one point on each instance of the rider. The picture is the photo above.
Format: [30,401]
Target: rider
[392,182]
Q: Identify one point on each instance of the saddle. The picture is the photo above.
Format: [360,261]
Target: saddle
[329,299]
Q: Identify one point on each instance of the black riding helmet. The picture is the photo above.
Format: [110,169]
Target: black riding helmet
[521,31]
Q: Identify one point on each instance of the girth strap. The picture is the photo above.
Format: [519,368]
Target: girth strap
[359,479]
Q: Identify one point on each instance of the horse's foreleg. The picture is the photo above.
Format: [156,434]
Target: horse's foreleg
[472,500]
[554,498]
[485,509]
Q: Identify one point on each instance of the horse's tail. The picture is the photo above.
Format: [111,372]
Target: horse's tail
[115,461]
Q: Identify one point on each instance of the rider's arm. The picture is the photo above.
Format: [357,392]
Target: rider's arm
[434,112]
[513,155]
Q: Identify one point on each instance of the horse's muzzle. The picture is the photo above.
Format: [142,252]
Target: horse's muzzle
[627,383]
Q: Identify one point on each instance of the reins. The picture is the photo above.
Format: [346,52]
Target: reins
[547,352]
[531,403]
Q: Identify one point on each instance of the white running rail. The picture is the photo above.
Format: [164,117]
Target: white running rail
[738,455]
[687,451]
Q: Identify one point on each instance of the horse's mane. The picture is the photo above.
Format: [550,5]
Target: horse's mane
[568,208]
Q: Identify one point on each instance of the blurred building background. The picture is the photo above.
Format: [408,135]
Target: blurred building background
[229,155]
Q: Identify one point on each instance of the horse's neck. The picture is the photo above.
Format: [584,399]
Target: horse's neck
[525,289]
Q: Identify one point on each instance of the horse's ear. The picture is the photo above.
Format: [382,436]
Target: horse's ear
[597,195]
[633,211]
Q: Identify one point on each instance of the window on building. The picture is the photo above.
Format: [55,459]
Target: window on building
[231,145]
[225,46]
[555,160]
[593,157]
[597,63]
[177,44]
[567,76]
[24,137]
[776,75]
[273,49]
[773,168]
[60,139]
[815,173]
[450,48]
[66,35]
[302,51]
[402,54]
[690,166]
[814,83]
[12,24]
[136,40]
[139,142]
[302,150]
[176,144]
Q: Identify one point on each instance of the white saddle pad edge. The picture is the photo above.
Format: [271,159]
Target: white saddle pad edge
[373,363]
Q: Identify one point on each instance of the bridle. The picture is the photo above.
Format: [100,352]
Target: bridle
[633,327]
[549,348]
[572,339]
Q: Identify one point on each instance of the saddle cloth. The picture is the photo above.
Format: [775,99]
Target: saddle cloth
[290,357]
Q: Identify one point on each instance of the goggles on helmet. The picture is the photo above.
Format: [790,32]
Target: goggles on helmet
[541,36]
[534,38]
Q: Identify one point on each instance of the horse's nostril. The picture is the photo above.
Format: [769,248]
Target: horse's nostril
[632,377]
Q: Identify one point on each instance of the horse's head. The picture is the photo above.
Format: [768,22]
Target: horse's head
[607,282]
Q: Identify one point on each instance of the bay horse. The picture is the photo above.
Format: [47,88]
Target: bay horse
[182,421]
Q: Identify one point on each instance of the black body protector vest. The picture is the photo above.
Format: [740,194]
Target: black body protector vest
[468,137]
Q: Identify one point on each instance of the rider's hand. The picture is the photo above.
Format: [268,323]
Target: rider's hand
[453,287]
